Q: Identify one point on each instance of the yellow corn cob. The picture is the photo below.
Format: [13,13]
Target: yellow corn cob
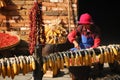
[30,65]
[18,64]
[72,60]
[105,57]
[111,55]
[77,63]
[21,63]
[57,31]
[47,62]
[53,61]
[62,61]
[80,59]
[67,55]
[14,65]
[86,58]
[93,57]
[8,68]
[55,68]
[101,56]
[47,28]
[24,66]
[27,64]
[2,4]
[54,33]
[66,59]
[58,62]
[89,58]
[44,65]
[33,63]
[50,61]
[108,55]
[83,60]
[49,33]
[12,73]
[3,69]
[51,41]
[114,50]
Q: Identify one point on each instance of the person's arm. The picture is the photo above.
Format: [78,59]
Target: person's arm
[97,42]
[72,38]
[76,45]
[72,35]
[97,36]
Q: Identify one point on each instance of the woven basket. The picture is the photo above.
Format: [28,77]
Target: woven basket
[11,45]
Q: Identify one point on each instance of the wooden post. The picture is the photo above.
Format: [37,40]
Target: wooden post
[37,73]
[69,18]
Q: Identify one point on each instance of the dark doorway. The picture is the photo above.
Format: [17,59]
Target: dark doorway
[106,15]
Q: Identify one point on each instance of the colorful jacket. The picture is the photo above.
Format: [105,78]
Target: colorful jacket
[78,32]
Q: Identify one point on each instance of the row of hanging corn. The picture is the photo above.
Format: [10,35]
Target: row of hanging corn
[85,57]
[56,61]
[13,66]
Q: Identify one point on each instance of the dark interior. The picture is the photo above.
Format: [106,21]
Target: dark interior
[106,15]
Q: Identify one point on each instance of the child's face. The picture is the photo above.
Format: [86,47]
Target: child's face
[86,29]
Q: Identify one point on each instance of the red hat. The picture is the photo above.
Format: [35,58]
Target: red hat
[85,19]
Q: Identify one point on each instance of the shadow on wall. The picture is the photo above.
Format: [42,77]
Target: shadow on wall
[8,11]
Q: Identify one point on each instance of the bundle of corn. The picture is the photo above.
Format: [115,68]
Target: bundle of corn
[55,32]
[9,67]
[53,63]
[2,3]
[86,57]
[116,50]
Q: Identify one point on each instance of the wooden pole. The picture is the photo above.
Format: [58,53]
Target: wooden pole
[38,73]
[69,18]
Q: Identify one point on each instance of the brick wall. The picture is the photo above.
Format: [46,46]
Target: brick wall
[15,16]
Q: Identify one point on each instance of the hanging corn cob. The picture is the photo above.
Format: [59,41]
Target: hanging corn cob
[8,68]
[108,54]
[112,55]
[89,57]
[66,59]
[55,68]
[2,3]
[62,61]
[72,59]
[77,61]
[101,55]
[86,58]
[58,61]
[80,58]
[44,65]
[18,65]
[30,64]
[3,68]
